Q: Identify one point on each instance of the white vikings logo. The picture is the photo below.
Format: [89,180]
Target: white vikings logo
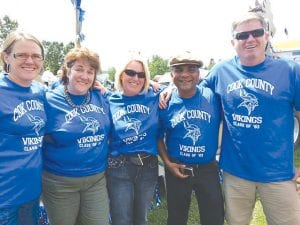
[250,102]
[37,121]
[193,132]
[132,124]
[91,124]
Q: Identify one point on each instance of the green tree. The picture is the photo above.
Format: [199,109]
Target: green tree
[158,65]
[111,73]
[54,54]
[69,46]
[211,64]
[7,25]
[54,51]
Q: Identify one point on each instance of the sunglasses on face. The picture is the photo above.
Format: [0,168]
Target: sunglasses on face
[246,34]
[132,73]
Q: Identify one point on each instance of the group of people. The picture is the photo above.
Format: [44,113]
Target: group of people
[92,157]
[257,95]
[55,141]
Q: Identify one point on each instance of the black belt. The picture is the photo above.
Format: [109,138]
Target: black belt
[139,159]
[196,166]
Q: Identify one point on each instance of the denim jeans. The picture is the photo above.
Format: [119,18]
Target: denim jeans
[207,188]
[131,189]
[26,214]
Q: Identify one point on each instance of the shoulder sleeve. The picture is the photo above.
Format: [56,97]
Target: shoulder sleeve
[208,81]
[297,86]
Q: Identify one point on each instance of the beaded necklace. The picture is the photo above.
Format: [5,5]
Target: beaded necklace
[71,103]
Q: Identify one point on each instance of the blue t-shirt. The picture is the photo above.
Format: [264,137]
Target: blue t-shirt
[258,104]
[76,138]
[191,127]
[135,123]
[22,119]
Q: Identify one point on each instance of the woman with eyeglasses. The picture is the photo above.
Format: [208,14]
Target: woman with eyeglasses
[133,165]
[22,119]
[75,146]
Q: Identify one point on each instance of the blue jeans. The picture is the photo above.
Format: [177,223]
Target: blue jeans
[26,214]
[207,188]
[131,189]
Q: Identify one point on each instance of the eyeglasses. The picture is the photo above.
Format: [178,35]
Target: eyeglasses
[245,35]
[132,73]
[25,56]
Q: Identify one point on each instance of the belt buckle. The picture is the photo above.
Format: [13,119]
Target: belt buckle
[136,160]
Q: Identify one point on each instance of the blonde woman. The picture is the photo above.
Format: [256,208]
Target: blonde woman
[133,164]
[22,119]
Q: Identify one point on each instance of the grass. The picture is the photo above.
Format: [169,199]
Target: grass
[158,216]
[297,157]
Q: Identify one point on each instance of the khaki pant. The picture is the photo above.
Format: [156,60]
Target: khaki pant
[76,200]
[280,201]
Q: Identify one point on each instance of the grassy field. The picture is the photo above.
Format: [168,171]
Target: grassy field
[158,216]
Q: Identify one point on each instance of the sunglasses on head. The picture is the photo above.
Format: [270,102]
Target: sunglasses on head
[246,34]
[132,73]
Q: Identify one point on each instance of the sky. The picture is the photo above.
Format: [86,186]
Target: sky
[116,28]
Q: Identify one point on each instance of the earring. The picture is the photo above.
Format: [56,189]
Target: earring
[7,67]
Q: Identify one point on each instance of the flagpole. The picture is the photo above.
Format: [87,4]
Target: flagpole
[77,37]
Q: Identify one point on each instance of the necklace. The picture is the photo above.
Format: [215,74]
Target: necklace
[71,103]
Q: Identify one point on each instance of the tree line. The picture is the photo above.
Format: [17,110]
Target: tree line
[55,52]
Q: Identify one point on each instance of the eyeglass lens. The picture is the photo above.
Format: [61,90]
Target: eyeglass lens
[25,56]
[132,73]
[245,35]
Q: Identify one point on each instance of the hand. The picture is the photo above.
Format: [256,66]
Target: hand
[155,85]
[175,169]
[99,87]
[297,178]
[297,175]
[274,55]
[164,97]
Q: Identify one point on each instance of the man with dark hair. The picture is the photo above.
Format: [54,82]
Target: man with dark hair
[190,126]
